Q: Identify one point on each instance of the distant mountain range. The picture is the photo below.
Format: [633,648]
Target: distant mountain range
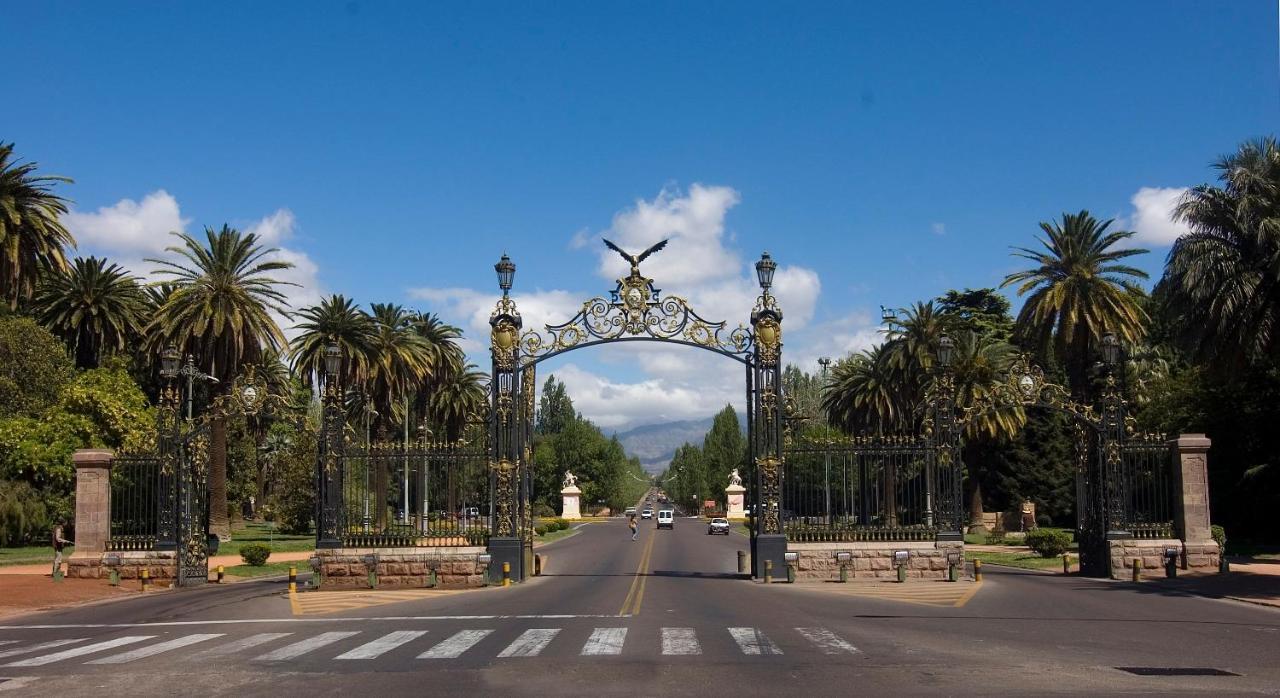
[655,444]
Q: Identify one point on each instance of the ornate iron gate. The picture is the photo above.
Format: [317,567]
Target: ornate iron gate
[192,503]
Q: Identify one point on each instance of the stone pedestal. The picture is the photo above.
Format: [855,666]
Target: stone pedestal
[735,503]
[93,500]
[1190,468]
[572,498]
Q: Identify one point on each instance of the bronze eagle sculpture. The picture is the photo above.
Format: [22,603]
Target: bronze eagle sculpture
[635,259]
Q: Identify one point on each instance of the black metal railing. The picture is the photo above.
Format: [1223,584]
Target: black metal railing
[882,488]
[1148,471]
[136,491]
[429,495]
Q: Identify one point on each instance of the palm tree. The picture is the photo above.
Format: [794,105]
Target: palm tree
[458,396]
[864,393]
[335,320]
[1222,279]
[1079,290]
[31,236]
[220,311]
[94,307]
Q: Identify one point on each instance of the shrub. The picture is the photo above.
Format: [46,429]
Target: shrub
[1048,542]
[996,538]
[540,530]
[1044,520]
[255,554]
[1219,536]
[24,518]
[543,511]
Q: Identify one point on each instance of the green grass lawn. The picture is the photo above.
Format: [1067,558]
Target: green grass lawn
[269,569]
[1026,560]
[265,534]
[555,535]
[31,555]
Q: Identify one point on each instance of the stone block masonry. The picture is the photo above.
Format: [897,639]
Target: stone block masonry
[1192,557]
[872,559]
[455,568]
[162,565]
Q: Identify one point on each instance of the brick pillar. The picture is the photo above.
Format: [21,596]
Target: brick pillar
[93,500]
[1191,510]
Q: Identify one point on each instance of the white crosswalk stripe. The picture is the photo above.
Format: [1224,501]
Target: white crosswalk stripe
[229,648]
[39,646]
[605,641]
[384,644]
[827,641]
[752,641]
[8,642]
[530,643]
[680,641]
[81,651]
[152,650]
[456,644]
[302,647]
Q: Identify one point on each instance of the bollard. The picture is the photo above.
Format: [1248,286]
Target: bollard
[432,580]
[506,574]
[844,574]
[952,575]
[742,562]
[115,577]
[57,575]
[221,573]
[1066,563]
[293,578]
[1223,564]
[902,573]
[538,563]
[977,570]
[373,577]
[791,573]
[1171,567]
[1137,569]
[145,576]
[768,571]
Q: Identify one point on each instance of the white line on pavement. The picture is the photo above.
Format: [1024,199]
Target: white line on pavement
[530,643]
[81,651]
[827,641]
[244,643]
[680,641]
[152,650]
[302,647]
[752,641]
[605,641]
[382,645]
[42,646]
[375,619]
[456,644]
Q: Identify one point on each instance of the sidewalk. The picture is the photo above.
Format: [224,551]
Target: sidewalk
[43,568]
[1250,580]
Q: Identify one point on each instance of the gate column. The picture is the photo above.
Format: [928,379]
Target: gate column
[506,545]
[766,321]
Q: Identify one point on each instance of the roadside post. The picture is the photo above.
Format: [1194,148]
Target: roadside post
[977,570]
[843,558]
[1137,569]
[900,558]
[793,559]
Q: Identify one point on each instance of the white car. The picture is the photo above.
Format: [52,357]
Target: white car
[718,526]
[667,519]
[646,514]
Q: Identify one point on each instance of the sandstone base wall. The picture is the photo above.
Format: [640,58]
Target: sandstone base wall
[872,560]
[162,565]
[401,567]
[1192,557]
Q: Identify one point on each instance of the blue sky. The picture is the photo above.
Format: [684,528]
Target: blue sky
[882,154]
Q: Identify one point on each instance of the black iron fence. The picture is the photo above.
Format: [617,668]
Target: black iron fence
[1148,471]
[136,492]
[880,488]
[433,494]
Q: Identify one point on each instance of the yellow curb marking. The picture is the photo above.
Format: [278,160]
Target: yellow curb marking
[320,602]
[951,594]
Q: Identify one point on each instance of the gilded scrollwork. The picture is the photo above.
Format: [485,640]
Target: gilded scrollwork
[770,494]
[504,524]
[1026,385]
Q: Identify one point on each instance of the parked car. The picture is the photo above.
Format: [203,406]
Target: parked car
[631,511]
[718,526]
[469,513]
[667,519]
[646,514]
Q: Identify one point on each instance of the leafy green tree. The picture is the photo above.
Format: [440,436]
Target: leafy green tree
[983,311]
[220,310]
[32,237]
[555,409]
[1222,280]
[34,367]
[95,308]
[723,449]
[1079,290]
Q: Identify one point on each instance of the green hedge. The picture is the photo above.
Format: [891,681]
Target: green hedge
[255,554]
[1047,542]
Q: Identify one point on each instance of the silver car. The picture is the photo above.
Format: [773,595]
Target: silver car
[718,526]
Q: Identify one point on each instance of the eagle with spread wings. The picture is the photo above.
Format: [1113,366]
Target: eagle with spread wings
[635,259]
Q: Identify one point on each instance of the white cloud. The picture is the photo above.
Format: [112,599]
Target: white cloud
[833,339]
[613,405]
[130,232]
[1152,217]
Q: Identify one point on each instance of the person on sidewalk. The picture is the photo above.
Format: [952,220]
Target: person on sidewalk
[635,528]
[58,543]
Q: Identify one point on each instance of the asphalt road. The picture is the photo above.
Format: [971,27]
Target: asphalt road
[665,614]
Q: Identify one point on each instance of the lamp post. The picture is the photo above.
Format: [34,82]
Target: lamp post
[946,430]
[824,362]
[191,373]
[330,467]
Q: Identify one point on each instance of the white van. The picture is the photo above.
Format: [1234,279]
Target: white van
[667,519]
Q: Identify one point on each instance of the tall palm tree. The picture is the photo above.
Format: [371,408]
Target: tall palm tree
[459,395]
[1079,290]
[94,307]
[864,393]
[338,320]
[220,311]
[31,236]
[400,361]
[1222,279]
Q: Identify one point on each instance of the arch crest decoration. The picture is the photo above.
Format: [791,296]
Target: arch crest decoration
[1025,385]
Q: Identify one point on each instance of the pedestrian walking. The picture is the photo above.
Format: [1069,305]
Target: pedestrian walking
[58,543]
[635,529]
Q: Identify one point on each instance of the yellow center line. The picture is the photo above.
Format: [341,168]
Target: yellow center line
[637,583]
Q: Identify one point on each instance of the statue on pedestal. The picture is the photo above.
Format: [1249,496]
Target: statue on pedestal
[735,478]
[570,480]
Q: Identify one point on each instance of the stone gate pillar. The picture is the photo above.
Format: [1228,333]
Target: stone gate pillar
[93,500]
[1191,505]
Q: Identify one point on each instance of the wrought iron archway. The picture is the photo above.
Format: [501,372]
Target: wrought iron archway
[635,310]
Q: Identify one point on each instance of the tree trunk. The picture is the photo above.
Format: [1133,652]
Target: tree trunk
[219,523]
[975,506]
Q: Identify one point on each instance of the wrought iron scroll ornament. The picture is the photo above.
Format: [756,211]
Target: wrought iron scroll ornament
[504,497]
[635,308]
[770,494]
[1026,385]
